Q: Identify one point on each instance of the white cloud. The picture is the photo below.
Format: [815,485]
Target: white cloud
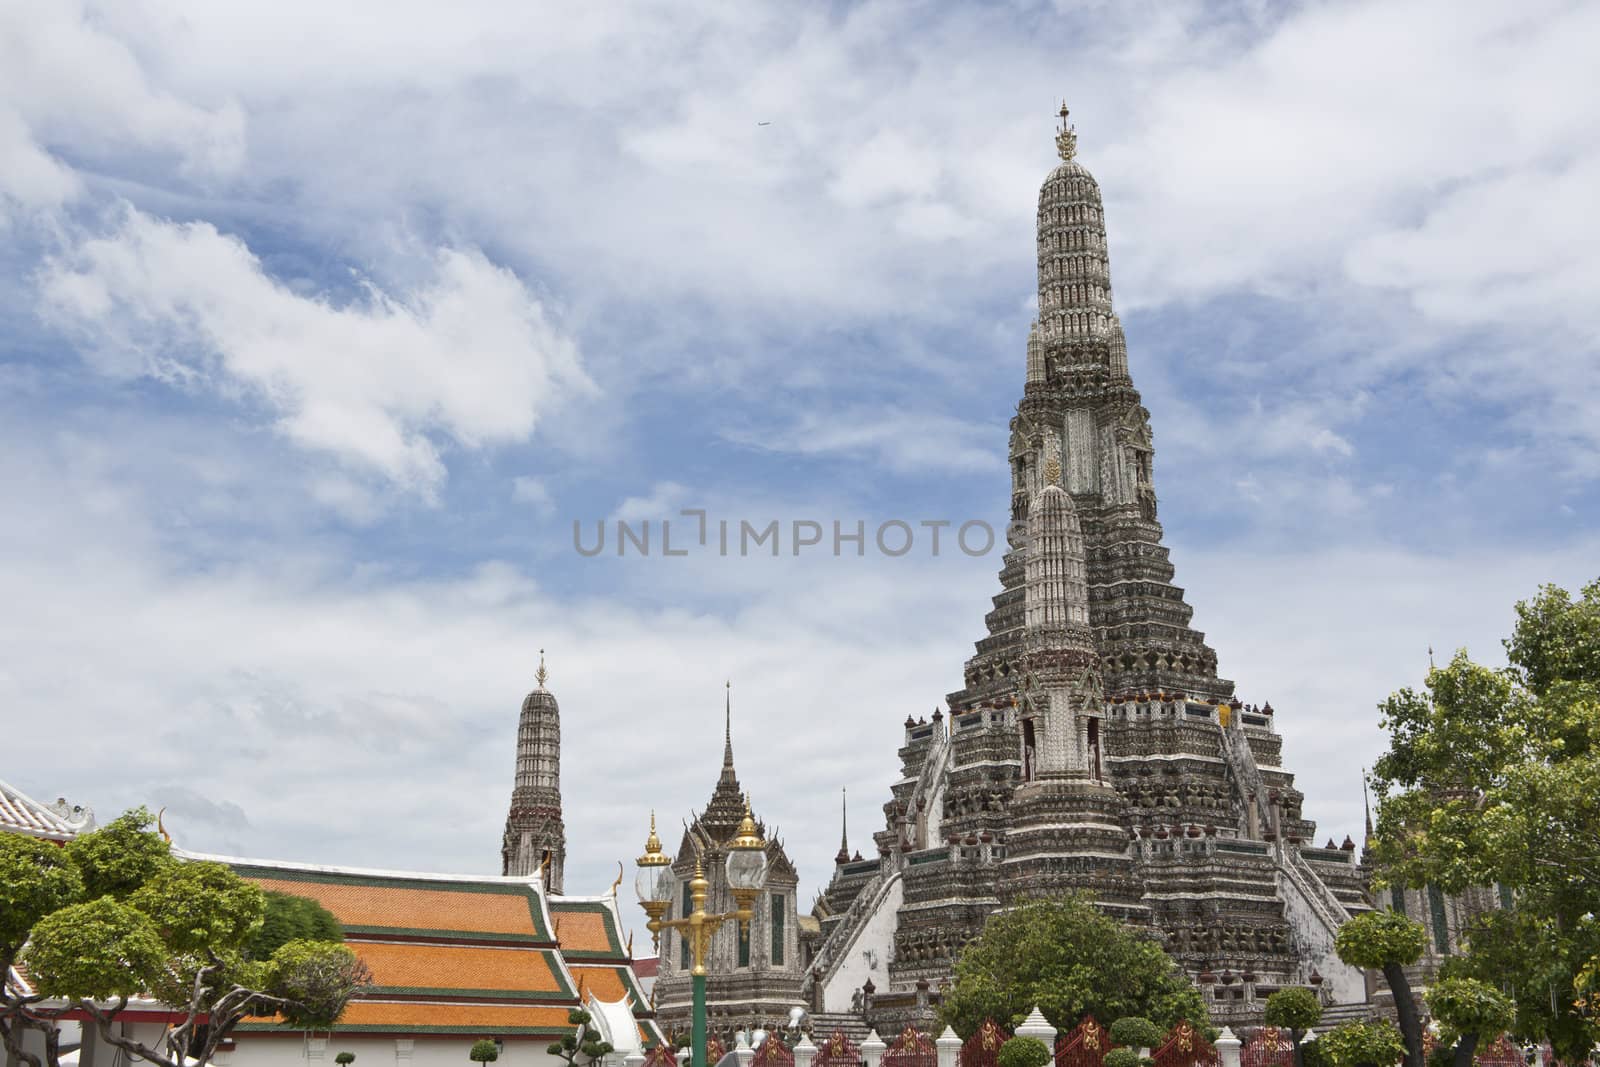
[526,489]
[897,440]
[65,80]
[470,355]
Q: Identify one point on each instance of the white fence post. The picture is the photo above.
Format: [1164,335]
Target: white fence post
[873,1048]
[1036,1026]
[804,1051]
[949,1046]
[1228,1048]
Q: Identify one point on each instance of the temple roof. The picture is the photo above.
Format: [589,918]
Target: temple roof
[21,814]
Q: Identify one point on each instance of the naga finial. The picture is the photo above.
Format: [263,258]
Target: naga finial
[541,675]
[1066,136]
[161,827]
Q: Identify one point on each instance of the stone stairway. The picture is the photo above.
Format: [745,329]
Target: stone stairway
[823,1024]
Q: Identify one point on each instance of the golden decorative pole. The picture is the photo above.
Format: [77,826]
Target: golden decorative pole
[747,873]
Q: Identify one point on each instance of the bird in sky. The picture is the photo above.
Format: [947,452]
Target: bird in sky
[763,124]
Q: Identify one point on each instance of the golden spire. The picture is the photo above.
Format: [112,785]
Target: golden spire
[653,856]
[541,675]
[1066,137]
[747,836]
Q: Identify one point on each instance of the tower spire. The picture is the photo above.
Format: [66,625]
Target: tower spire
[727,733]
[541,675]
[843,855]
[1066,136]
[1366,804]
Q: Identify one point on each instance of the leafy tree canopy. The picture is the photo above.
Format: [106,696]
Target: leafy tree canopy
[1135,1031]
[1122,1056]
[113,915]
[292,918]
[1379,939]
[1295,1009]
[36,878]
[1468,1006]
[1493,777]
[484,1051]
[1070,959]
[1024,1052]
[1362,1045]
[120,856]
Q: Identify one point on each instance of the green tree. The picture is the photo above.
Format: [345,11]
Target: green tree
[1135,1031]
[1376,1044]
[1070,959]
[1296,1010]
[36,878]
[292,918]
[113,915]
[344,1059]
[584,1045]
[484,1051]
[1470,1011]
[1024,1052]
[120,856]
[1493,778]
[1387,942]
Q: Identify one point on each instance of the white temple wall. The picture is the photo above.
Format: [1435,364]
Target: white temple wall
[869,953]
[1313,944]
[273,1050]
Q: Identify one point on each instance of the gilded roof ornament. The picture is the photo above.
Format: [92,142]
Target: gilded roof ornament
[1066,137]
[748,836]
[541,675]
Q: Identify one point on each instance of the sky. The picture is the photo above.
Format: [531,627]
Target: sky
[321,326]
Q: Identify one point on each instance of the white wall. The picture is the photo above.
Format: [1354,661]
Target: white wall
[875,936]
[1313,944]
[263,1050]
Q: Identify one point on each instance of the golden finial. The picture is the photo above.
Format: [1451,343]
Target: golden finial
[653,856]
[161,829]
[747,837]
[541,674]
[1066,137]
[617,882]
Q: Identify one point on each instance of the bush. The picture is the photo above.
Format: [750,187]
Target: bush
[344,1058]
[1137,1032]
[1122,1057]
[483,1051]
[1024,1052]
[1363,1045]
[1296,1010]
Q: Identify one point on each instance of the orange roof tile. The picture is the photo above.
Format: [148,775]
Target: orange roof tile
[583,931]
[606,983]
[361,905]
[423,1017]
[456,968]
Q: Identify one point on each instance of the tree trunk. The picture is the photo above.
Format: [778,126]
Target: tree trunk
[1464,1050]
[1406,1009]
[1299,1054]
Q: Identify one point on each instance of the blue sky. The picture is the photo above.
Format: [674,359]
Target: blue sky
[321,328]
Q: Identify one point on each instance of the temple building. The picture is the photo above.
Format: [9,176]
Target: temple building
[754,976]
[1093,747]
[535,841]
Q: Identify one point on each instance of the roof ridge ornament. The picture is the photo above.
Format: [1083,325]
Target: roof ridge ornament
[541,675]
[1066,136]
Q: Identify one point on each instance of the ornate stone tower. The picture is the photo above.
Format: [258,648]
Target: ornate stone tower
[755,974]
[535,840]
[1092,748]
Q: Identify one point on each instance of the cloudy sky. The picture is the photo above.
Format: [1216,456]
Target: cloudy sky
[320,325]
